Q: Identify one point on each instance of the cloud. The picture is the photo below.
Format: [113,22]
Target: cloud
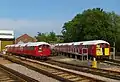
[31,27]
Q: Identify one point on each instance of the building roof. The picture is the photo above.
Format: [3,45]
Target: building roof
[25,38]
[6,34]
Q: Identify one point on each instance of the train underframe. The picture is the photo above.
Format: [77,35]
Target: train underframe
[78,56]
[99,58]
[29,56]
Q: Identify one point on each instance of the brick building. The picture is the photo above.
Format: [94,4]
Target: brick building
[25,38]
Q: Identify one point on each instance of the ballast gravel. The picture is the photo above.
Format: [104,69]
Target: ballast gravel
[31,73]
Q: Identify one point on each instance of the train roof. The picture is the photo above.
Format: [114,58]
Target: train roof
[28,44]
[37,44]
[71,43]
[24,44]
[78,43]
[60,44]
[16,45]
[93,42]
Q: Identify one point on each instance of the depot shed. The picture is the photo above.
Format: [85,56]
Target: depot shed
[6,38]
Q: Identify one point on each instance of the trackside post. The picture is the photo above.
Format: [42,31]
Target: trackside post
[94,63]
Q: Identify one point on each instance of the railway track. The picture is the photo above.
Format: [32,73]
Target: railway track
[56,72]
[96,71]
[9,75]
[6,76]
[112,62]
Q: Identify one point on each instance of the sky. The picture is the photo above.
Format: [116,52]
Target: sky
[32,16]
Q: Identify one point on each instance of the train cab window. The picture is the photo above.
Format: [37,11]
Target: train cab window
[102,46]
[106,45]
[45,46]
[98,46]
[40,48]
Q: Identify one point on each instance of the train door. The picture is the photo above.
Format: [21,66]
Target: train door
[77,49]
[92,50]
[103,46]
[99,50]
[84,53]
[80,48]
[107,50]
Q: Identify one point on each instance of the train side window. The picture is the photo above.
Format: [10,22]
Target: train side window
[29,48]
[43,46]
[47,46]
[32,48]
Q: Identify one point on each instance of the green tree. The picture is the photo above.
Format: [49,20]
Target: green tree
[41,37]
[52,37]
[90,25]
[48,37]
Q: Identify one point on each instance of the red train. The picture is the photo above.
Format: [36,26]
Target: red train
[35,49]
[95,48]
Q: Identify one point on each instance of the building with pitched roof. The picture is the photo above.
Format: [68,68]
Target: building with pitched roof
[25,38]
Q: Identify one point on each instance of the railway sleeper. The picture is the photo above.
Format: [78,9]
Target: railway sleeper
[63,75]
[70,76]
[77,79]
[5,78]
[58,73]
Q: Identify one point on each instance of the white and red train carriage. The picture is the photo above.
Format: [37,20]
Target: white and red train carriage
[95,48]
[35,49]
